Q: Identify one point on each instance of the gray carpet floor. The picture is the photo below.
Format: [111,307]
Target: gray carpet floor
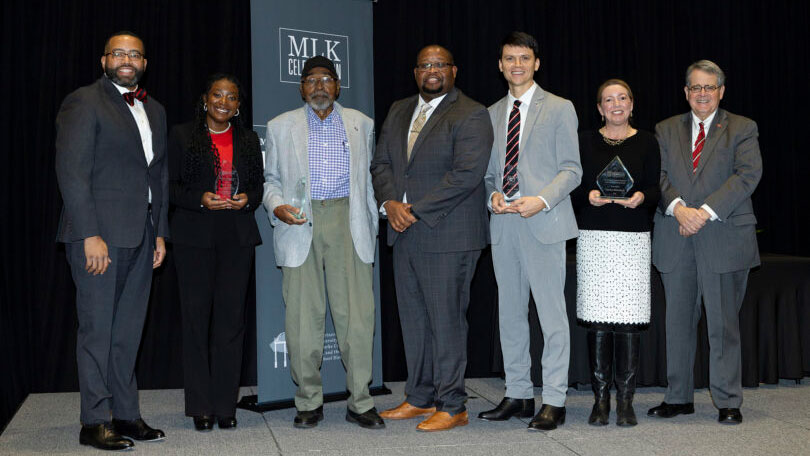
[776,421]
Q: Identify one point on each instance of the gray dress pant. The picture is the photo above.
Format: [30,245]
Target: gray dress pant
[522,265]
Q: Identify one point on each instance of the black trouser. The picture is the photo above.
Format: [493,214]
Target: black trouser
[213,284]
[111,309]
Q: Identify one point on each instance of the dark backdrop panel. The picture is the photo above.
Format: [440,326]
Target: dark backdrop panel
[762,47]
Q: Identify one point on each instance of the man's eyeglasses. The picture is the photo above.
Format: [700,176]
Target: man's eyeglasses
[118,54]
[325,80]
[707,88]
[437,65]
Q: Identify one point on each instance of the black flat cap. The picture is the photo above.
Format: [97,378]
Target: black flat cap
[318,61]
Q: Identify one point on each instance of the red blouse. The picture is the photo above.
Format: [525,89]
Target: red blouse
[224,144]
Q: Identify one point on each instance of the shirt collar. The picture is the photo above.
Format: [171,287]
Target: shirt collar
[706,123]
[433,103]
[123,89]
[525,98]
[312,116]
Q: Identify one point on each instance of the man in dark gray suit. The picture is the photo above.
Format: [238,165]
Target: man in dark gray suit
[428,177]
[112,172]
[704,241]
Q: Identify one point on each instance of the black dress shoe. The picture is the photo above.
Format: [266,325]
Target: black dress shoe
[669,410]
[730,416]
[104,437]
[138,430]
[204,423]
[228,422]
[522,408]
[548,418]
[308,418]
[369,419]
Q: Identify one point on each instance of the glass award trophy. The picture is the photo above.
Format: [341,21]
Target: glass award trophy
[299,199]
[614,181]
[227,183]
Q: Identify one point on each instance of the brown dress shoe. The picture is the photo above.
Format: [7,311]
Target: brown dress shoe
[442,421]
[406,411]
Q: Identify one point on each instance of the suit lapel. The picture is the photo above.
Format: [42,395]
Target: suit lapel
[405,124]
[716,129]
[127,119]
[435,118]
[531,118]
[355,143]
[300,138]
[500,131]
[151,115]
[685,140]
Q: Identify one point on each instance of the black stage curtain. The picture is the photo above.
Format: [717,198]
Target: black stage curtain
[49,48]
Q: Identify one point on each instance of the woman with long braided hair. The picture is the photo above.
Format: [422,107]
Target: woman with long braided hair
[215,175]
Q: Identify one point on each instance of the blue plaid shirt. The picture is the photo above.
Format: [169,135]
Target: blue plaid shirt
[328,151]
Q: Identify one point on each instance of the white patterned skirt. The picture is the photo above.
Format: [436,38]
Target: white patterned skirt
[613,277]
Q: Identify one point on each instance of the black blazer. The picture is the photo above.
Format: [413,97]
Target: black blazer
[444,178]
[193,224]
[102,171]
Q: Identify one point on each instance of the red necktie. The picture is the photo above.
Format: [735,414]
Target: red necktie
[510,177]
[130,97]
[701,138]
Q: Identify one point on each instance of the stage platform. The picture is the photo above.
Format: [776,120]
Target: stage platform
[776,421]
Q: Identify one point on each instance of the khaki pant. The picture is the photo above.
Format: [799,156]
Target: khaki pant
[332,266]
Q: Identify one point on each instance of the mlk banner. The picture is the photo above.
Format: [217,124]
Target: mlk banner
[284,35]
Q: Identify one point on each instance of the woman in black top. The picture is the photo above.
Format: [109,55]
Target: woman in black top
[216,181]
[613,250]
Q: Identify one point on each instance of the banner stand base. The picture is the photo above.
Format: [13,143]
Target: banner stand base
[251,402]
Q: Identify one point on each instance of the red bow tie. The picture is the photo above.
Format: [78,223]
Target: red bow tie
[130,97]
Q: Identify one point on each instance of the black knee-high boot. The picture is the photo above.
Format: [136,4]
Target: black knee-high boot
[600,352]
[626,368]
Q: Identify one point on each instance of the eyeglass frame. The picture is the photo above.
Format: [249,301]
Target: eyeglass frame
[313,81]
[137,57]
[709,88]
[427,66]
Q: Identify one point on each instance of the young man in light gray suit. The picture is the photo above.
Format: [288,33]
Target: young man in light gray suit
[704,241]
[328,149]
[533,167]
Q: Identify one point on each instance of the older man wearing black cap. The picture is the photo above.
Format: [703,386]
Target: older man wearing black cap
[321,203]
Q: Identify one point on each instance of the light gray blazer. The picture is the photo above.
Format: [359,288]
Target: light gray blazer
[729,170]
[548,165]
[287,161]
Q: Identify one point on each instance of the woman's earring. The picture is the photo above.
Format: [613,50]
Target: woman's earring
[205,107]
[237,113]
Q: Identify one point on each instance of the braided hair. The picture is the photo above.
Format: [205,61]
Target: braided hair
[200,149]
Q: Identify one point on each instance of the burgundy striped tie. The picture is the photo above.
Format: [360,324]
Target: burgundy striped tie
[701,138]
[510,176]
[130,97]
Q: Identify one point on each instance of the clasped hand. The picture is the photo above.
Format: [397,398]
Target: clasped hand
[690,220]
[596,199]
[525,206]
[214,202]
[399,215]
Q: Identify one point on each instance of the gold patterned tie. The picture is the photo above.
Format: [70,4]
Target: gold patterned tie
[417,127]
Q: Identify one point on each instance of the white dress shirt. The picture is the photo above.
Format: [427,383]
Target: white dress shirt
[139,113]
[695,131]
